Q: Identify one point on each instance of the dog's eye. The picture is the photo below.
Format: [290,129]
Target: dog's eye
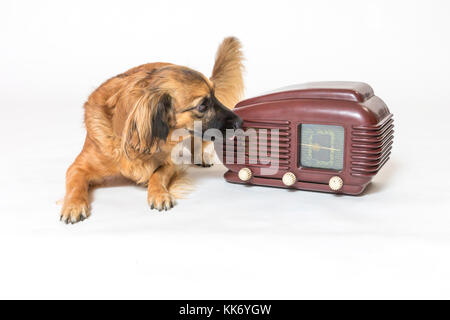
[202,108]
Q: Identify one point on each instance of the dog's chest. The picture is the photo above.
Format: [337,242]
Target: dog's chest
[140,170]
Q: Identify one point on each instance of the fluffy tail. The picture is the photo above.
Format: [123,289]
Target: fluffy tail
[227,72]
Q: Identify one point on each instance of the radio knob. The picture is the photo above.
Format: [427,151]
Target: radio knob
[289,179]
[245,174]
[336,183]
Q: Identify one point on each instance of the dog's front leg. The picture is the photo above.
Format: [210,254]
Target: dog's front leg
[204,156]
[207,154]
[88,168]
[76,206]
[159,197]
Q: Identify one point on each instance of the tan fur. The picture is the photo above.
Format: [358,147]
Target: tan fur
[119,140]
[227,75]
[227,72]
[180,185]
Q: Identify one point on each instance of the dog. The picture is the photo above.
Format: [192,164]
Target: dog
[129,120]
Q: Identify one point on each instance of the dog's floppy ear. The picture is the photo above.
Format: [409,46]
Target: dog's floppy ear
[148,123]
[227,72]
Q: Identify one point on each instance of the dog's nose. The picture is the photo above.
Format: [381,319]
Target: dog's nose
[237,123]
[234,122]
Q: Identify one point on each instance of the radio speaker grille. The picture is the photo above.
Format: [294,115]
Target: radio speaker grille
[252,155]
[371,147]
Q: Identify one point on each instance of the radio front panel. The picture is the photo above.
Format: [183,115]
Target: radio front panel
[313,144]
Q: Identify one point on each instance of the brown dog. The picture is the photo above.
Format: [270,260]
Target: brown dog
[130,118]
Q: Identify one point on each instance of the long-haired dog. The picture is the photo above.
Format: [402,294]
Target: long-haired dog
[130,118]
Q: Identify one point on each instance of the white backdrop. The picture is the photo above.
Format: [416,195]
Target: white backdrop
[224,240]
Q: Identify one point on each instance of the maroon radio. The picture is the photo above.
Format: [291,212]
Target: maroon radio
[323,136]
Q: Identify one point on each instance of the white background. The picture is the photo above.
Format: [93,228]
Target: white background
[224,240]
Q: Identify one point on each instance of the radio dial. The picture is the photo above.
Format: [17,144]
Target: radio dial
[289,179]
[245,174]
[336,183]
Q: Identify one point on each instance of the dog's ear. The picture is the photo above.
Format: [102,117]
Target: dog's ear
[227,72]
[148,123]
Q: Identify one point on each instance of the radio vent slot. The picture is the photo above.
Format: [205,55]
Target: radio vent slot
[371,147]
[283,143]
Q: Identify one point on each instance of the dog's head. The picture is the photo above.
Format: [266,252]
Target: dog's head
[193,97]
[169,98]
[173,97]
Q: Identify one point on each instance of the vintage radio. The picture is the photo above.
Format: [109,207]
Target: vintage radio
[329,136]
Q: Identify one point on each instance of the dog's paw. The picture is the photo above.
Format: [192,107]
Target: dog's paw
[207,159]
[74,211]
[205,165]
[161,201]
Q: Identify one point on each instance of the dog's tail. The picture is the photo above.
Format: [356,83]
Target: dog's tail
[227,72]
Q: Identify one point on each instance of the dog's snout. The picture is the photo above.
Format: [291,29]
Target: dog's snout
[233,121]
[236,123]
[225,118]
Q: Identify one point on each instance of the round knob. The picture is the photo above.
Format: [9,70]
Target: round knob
[289,179]
[245,174]
[336,183]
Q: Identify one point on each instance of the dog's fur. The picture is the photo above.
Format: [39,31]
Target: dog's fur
[130,118]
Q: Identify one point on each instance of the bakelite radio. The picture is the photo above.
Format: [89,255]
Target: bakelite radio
[329,136]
